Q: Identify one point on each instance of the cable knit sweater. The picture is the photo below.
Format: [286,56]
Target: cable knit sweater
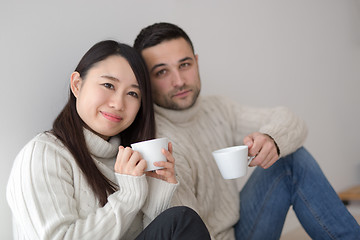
[214,123]
[51,199]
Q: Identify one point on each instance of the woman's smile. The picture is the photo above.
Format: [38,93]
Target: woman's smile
[111,117]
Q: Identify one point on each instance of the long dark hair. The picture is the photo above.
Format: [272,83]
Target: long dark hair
[68,126]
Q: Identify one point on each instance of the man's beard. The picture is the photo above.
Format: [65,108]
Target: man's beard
[168,103]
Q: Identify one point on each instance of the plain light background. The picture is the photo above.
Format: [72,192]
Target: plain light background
[301,54]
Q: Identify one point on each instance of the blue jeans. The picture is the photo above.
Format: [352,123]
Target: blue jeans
[295,180]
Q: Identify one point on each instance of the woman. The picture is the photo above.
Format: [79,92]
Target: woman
[75,182]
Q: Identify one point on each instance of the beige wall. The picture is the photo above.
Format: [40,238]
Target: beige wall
[302,54]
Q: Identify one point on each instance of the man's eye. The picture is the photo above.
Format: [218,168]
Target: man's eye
[134,94]
[108,85]
[161,72]
[184,65]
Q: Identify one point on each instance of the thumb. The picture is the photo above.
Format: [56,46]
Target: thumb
[248,141]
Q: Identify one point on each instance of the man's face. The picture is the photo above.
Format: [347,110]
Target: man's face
[174,74]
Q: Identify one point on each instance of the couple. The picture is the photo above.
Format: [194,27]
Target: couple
[81,180]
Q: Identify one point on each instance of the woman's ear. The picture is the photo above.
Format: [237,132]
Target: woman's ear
[75,83]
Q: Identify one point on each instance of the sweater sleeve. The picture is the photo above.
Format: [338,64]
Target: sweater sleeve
[45,205]
[185,194]
[158,200]
[187,185]
[286,128]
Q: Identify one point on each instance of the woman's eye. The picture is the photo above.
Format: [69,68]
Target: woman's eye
[108,85]
[134,94]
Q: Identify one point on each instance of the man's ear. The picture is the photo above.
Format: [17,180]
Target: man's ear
[75,83]
[197,57]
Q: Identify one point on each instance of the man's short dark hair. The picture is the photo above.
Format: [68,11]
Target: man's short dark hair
[157,33]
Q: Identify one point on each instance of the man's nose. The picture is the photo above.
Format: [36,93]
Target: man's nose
[177,80]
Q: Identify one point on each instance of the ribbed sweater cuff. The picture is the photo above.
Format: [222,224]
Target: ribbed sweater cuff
[133,190]
[159,197]
[275,138]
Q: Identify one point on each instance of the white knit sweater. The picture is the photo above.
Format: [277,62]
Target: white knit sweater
[214,123]
[51,199]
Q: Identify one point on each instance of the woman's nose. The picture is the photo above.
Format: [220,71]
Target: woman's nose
[117,102]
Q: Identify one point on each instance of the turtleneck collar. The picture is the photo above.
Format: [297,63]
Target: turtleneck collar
[100,148]
[179,116]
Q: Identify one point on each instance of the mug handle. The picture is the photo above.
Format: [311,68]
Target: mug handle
[250,159]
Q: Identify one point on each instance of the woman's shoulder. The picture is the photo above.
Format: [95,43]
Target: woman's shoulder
[44,145]
[42,157]
[47,139]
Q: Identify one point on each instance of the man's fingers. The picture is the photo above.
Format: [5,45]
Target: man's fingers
[248,141]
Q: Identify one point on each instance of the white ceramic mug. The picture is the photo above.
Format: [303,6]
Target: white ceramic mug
[150,150]
[232,162]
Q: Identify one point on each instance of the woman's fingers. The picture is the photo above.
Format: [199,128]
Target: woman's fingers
[170,147]
[140,168]
[168,154]
[129,162]
[167,173]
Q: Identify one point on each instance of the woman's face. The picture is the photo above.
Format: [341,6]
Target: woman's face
[108,99]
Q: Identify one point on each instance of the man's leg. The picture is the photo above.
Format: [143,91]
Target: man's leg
[176,223]
[293,180]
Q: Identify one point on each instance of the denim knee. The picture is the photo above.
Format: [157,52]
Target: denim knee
[181,211]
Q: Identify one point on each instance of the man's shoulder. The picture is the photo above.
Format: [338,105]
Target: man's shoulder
[216,101]
[213,98]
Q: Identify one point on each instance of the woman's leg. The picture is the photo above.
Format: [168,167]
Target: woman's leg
[176,223]
[295,180]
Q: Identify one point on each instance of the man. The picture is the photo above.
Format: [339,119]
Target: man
[198,125]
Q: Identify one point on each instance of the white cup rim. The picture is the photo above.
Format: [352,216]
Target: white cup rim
[150,140]
[229,149]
